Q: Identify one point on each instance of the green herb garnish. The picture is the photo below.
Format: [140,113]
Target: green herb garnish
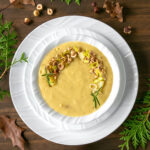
[3,93]
[78,2]
[21,59]
[137,127]
[69,1]
[7,47]
[47,76]
[95,99]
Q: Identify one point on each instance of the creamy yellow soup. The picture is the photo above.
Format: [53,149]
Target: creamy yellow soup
[71,96]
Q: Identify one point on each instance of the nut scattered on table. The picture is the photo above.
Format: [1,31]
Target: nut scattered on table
[27,21]
[39,7]
[93,4]
[50,11]
[36,13]
[96,9]
[127,29]
[114,9]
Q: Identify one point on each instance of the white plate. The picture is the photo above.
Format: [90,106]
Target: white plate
[47,127]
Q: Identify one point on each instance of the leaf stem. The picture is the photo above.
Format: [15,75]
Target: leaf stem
[6,7]
[3,73]
[95,99]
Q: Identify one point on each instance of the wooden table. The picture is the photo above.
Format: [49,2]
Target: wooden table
[137,14]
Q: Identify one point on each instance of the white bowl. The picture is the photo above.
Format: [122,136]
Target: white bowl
[31,72]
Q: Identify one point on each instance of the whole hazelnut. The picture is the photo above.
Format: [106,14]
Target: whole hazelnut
[61,66]
[36,13]
[73,53]
[127,29]
[69,60]
[93,4]
[27,21]
[39,7]
[96,9]
[49,11]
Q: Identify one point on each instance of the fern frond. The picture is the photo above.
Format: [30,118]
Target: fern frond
[137,127]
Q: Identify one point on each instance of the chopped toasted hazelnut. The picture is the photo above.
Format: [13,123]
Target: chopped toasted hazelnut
[69,48]
[47,67]
[73,53]
[103,70]
[95,76]
[68,55]
[69,60]
[91,70]
[36,13]
[55,71]
[27,21]
[127,30]
[61,66]
[54,63]
[39,7]
[93,87]
[100,64]
[80,49]
[104,76]
[92,59]
[55,76]
[53,59]
[86,60]
[49,11]
[64,59]
[92,54]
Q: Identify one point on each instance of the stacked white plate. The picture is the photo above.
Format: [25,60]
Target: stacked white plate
[74,130]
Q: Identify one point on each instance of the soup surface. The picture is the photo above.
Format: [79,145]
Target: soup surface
[71,96]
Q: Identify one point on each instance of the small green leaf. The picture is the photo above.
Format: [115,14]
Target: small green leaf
[68,1]
[3,93]
[77,2]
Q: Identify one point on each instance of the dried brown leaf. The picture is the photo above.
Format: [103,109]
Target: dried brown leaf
[12,131]
[118,10]
[20,3]
[114,9]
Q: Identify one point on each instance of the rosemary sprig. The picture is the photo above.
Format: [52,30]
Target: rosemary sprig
[95,99]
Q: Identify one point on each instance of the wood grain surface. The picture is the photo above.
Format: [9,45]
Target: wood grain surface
[137,14]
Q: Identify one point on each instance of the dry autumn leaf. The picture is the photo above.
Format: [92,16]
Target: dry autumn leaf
[20,3]
[12,131]
[114,9]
